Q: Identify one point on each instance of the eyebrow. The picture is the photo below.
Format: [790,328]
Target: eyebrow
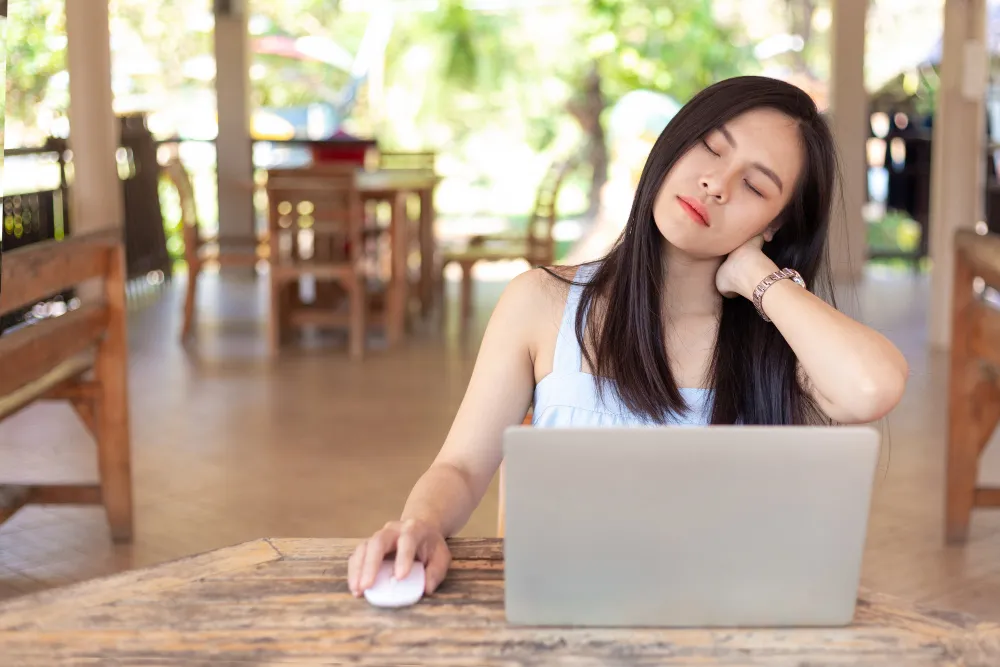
[757,165]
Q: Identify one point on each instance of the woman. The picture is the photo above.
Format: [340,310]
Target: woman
[696,316]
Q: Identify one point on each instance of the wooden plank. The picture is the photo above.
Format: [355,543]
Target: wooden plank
[988,497]
[74,390]
[15,496]
[963,454]
[30,353]
[112,409]
[64,494]
[26,394]
[982,252]
[58,605]
[267,607]
[34,272]
[12,498]
[983,408]
[984,334]
[85,411]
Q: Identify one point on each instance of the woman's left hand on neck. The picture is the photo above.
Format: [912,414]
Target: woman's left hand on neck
[854,373]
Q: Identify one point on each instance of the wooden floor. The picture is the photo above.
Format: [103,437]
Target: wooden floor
[229,446]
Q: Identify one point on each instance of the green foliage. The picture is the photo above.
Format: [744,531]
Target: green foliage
[676,48]
[36,31]
[895,231]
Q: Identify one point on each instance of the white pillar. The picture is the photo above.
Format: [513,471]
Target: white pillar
[958,151]
[96,195]
[849,122]
[232,87]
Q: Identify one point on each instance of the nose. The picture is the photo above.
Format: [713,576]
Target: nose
[714,187]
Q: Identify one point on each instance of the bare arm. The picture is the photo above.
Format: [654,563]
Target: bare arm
[445,496]
[855,374]
[498,396]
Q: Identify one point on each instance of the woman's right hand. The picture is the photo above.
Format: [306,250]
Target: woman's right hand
[410,539]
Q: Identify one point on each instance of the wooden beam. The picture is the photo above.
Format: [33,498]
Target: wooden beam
[33,351]
[64,494]
[984,409]
[12,498]
[76,390]
[27,394]
[112,423]
[982,252]
[988,497]
[85,411]
[34,272]
[984,333]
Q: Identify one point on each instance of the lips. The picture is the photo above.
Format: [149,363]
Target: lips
[695,210]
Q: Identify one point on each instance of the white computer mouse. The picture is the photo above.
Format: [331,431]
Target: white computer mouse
[387,591]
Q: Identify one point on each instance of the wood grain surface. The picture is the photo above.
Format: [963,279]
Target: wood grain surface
[285,601]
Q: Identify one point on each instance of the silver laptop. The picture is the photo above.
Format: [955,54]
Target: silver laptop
[686,526]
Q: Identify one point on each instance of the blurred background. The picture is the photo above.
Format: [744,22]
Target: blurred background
[496,88]
[470,140]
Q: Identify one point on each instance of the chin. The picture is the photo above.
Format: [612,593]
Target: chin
[688,238]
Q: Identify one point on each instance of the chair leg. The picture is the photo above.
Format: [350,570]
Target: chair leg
[466,298]
[962,470]
[112,412]
[358,330]
[275,325]
[440,289]
[194,269]
[963,454]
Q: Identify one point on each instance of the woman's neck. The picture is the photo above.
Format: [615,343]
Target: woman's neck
[689,288]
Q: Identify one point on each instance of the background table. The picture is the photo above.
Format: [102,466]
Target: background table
[281,601]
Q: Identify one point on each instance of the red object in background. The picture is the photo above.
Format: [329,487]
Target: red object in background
[342,149]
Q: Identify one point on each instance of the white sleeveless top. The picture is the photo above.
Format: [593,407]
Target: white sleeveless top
[567,397]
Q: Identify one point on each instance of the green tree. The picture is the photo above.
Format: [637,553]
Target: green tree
[675,48]
[36,31]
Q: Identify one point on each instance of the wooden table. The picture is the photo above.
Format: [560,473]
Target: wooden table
[281,601]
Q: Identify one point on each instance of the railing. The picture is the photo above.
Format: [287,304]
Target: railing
[38,216]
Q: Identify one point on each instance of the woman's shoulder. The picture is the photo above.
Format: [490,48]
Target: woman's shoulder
[536,298]
[541,286]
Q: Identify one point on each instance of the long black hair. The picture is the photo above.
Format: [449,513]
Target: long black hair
[753,371]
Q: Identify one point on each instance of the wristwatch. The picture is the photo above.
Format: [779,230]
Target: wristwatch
[783,274]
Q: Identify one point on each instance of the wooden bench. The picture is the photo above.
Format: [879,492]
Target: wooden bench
[974,380]
[79,357]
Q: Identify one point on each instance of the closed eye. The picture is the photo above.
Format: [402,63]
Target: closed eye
[753,189]
[709,148]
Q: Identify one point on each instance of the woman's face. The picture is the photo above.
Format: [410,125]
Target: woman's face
[730,187]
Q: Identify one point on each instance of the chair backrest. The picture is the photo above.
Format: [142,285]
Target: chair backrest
[419,160]
[315,214]
[541,243]
[178,175]
[32,274]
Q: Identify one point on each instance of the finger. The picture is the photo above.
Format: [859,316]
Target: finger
[354,568]
[380,544]
[406,548]
[436,568]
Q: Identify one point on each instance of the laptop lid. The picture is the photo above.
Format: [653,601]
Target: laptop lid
[686,526]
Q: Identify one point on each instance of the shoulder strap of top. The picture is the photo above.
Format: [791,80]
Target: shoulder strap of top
[568,357]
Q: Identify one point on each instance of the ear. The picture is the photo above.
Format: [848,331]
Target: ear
[771,230]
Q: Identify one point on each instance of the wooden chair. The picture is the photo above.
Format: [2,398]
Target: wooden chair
[316,228]
[536,244]
[199,249]
[80,357]
[974,380]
